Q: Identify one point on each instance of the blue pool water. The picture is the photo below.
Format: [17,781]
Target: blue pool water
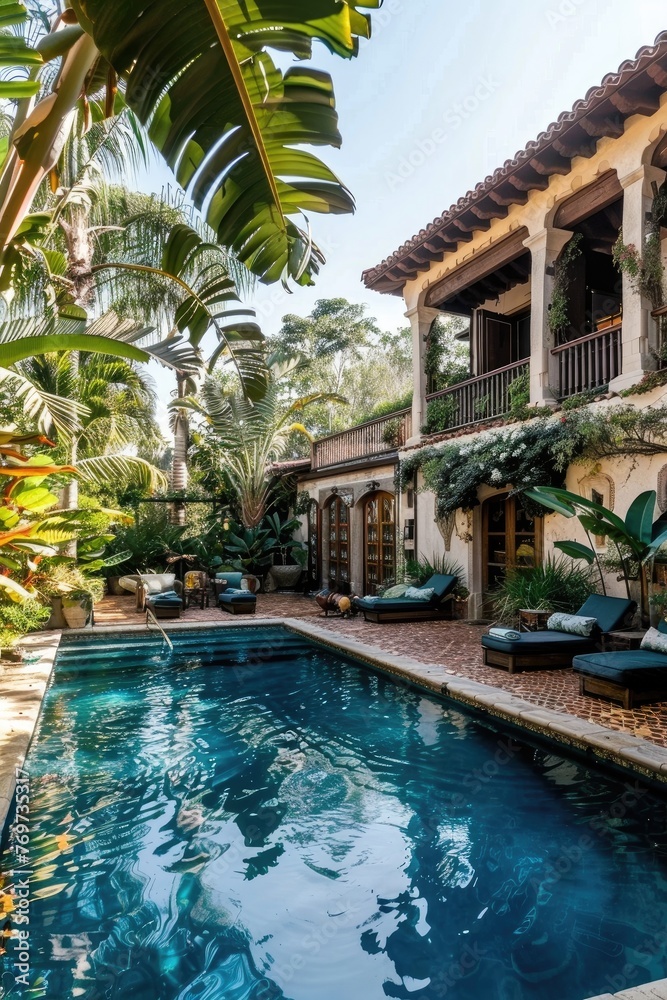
[254,818]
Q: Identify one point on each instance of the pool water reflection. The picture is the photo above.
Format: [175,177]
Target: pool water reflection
[256,817]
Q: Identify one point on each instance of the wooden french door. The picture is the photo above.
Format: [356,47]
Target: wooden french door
[380,541]
[511,537]
[339,541]
[314,545]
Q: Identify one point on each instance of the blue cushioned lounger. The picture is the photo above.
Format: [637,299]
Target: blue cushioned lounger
[403,609]
[552,650]
[630,676]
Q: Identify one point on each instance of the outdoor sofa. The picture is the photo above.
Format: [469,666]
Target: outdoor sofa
[631,676]
[549,650]
[395,609]
[230,597]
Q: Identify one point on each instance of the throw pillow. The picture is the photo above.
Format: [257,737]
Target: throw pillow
[655,641]
[572,624]
[397,591]
[419,593]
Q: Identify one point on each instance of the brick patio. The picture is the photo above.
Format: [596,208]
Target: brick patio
[454,645]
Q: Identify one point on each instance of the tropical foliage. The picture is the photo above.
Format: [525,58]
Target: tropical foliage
[217,99]
[351,357]
[242,438]
[555,585]
[637,538]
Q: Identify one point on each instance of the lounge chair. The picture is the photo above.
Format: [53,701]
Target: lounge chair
[230,597]
[554,650]
[396,609]
[630,676]
[149,587]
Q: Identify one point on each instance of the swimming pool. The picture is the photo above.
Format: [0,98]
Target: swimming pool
[255,816]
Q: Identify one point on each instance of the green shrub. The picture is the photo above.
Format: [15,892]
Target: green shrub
[422,568]
[17,620]
[556,585]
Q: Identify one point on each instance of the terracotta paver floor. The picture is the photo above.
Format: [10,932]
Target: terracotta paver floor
[454,645]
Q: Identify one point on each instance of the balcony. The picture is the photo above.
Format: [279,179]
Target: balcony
[590,362]
[484,397]
[370,440]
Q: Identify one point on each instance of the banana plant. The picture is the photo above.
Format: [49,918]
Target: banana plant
[26,497]
[226,119]
[637,538]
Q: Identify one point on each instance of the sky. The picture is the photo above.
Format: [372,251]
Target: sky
[441,95]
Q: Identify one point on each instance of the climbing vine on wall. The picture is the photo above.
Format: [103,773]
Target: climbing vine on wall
[535,453]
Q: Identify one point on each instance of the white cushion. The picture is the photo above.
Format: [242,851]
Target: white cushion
[419,593]
[572,624]
[157,583]
[129,583]
[655,641]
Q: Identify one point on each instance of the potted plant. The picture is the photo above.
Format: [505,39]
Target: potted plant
[460,603]
[658,603]
[77,608]
[251,553]
[285,575]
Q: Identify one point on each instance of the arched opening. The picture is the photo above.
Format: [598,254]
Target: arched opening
[379,540]
[338,516]
[512,537]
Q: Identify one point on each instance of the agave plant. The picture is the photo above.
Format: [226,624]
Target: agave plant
[636,538]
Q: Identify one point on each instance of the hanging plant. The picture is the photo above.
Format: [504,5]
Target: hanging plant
[645,270]
[559,307]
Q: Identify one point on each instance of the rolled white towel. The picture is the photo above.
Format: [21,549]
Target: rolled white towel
[507,634]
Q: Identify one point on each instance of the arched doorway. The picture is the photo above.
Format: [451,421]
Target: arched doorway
[313,567]
[339,541]
[511,537]
[379,541]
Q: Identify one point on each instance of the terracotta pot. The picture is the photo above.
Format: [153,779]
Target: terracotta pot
[460,610]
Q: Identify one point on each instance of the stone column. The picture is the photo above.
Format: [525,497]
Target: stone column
[421,318]
[545,247]
[637,202]
[356,548]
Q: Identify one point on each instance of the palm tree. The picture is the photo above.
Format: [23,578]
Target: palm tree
[248,436]
[226,119]
[115,400]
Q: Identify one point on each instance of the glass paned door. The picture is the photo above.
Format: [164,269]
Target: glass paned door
[339,541]
[511,537]
[380,554]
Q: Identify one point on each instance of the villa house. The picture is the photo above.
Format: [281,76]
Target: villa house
[493,259]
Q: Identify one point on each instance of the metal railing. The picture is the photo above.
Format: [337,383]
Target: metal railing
[152,620]
[590,362]
[376,437]
[481,398]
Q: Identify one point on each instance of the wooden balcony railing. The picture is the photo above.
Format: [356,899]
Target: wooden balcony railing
[377,437]
[482,398]
[590,362]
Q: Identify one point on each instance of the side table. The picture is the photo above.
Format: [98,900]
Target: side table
[198,595]
[613,641]
[533,620]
